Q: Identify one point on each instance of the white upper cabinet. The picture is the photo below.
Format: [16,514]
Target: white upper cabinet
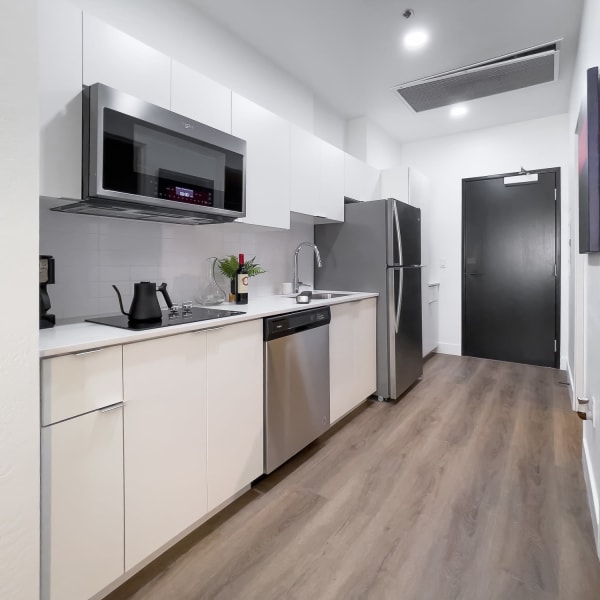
[330,202]
[394,184]
[317,176]
[361,181]
[122,62]
[200,98]
[59,49]
[305,153]
[267,163]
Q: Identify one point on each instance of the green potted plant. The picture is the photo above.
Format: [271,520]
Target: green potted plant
[229,266]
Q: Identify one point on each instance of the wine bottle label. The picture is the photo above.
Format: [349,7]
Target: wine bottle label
[242,283]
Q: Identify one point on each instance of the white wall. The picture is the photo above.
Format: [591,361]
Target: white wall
[19,387]
[382,151]
[92,253]
[586,272]
[367,142]
[537,144]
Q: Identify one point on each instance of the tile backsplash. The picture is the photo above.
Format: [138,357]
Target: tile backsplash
[92,253]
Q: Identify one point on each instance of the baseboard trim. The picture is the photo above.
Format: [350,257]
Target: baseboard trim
[157,554]
[453,349]
[430,355]
[592,492]
[571,386]
[564,363]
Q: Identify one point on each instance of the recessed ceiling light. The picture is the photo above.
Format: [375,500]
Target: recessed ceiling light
[415,39]
[460,110]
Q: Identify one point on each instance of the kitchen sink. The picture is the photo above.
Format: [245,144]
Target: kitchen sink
[319,295]
[327,295]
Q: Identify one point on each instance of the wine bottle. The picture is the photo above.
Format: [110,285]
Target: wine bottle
[241,288]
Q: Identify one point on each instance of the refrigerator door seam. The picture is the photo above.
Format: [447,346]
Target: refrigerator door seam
[391,300]
[399,304]
[398,236]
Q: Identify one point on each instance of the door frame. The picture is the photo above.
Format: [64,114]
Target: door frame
[557,252]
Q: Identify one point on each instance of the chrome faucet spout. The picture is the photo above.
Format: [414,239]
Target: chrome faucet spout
[297,282]
[318,257]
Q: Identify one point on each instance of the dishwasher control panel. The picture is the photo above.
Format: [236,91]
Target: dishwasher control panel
[289,323]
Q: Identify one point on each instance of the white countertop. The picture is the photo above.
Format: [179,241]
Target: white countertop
[78,337]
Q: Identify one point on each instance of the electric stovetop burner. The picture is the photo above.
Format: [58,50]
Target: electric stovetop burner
[169,317]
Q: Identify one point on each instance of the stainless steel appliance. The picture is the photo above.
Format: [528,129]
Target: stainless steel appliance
[296,382]
[46,277]
[176,315]
[144,162]
[378,249]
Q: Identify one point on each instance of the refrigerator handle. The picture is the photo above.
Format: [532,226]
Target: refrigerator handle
[399,300]
[397,231]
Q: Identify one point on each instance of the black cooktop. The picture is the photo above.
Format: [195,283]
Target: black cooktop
[168,318]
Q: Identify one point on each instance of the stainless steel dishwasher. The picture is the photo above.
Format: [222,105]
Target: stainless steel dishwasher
[296,382]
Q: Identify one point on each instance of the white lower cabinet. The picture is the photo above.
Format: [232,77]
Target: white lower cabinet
[352,352]
[234,409]
[164,386]
[78,383]
[82,505]
[120,483]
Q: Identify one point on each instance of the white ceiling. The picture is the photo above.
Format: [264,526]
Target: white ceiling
[350,54]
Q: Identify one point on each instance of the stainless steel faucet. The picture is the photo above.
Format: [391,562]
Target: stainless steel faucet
[297,282]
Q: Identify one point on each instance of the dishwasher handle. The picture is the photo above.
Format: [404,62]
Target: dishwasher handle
[289,323]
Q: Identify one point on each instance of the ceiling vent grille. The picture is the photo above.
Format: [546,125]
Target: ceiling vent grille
[503,74]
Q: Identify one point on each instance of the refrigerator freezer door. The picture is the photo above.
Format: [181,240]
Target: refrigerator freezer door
[403,223]
[404,331]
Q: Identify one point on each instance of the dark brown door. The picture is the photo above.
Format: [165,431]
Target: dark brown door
[510,269]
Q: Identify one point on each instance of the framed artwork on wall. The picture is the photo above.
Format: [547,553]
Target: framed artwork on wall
[588,138]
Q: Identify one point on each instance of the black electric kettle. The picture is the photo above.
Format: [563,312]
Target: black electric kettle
[145,306]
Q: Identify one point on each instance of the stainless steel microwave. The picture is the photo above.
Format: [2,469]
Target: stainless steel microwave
[141,161]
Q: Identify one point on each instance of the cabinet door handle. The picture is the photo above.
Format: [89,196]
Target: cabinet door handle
[207,330]
[89,352]
[112,407]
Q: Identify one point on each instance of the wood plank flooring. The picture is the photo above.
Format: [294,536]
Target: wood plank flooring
[469,488]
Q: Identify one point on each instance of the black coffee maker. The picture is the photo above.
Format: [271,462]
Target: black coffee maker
[46,277]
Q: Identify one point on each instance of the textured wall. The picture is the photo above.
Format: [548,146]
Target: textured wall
[19,395]
[586,271]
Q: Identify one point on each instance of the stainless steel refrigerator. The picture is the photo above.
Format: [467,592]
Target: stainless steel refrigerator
[378,249]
